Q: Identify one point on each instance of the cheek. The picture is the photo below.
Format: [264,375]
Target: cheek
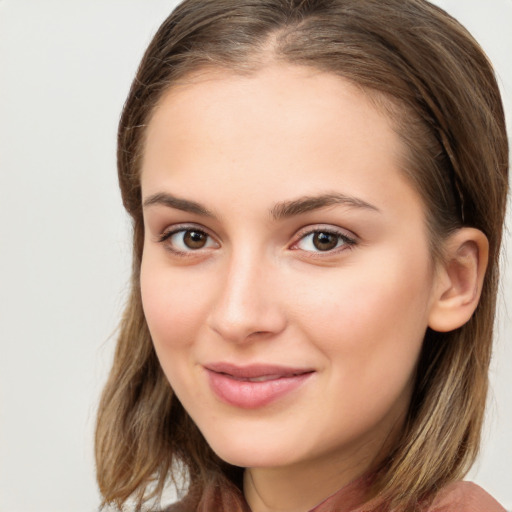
[370,329]
[172,305]
[371,323]
[173,309]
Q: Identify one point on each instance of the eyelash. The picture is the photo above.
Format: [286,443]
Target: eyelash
[343,242]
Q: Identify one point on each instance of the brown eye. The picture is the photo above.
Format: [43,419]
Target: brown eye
[195,239]
[318,240]
[188,240]
[324,241]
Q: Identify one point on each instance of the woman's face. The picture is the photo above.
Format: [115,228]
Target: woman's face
[286,275]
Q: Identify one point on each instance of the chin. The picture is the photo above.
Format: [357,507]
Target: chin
[251,451]
[247,458]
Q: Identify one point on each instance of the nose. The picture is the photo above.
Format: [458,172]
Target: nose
[247,306]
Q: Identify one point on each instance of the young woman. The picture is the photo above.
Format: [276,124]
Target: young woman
[318,190]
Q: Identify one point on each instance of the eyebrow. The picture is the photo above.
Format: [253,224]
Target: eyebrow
[281,210]
[306,204]
[177,203]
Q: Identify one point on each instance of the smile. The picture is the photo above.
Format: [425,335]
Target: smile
[255,386]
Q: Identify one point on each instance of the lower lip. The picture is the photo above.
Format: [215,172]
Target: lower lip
[252,395]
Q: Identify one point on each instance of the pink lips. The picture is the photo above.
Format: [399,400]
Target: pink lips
[250,387]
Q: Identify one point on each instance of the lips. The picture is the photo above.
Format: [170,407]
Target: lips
[254,386]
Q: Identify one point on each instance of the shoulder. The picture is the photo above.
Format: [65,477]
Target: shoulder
[465,497]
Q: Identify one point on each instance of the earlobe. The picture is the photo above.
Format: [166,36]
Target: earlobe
[459,279]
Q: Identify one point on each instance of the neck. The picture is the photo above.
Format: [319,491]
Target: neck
[301,487]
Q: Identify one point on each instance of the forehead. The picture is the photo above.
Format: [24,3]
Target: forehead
[284,126]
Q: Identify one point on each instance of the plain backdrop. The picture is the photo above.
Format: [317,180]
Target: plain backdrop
[65,69]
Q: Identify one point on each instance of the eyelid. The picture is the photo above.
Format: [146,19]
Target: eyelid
[184,226]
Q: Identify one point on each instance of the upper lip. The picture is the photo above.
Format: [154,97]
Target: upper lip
[252,371]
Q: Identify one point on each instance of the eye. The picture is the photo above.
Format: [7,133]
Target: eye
[323,240]
[188,240]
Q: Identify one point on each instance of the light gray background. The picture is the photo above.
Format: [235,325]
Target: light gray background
[65,69]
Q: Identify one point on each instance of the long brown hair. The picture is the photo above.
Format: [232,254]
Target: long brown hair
[438,87]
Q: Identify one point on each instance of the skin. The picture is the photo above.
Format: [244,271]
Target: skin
[258,291]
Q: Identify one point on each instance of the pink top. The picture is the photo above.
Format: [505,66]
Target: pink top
[456,497]
[465,497]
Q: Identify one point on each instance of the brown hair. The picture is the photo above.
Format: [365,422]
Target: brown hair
[437,85]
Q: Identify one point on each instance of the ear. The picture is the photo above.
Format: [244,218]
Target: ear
[459,279]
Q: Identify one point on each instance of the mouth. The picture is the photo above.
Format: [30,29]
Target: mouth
[254,386]
[262,378]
